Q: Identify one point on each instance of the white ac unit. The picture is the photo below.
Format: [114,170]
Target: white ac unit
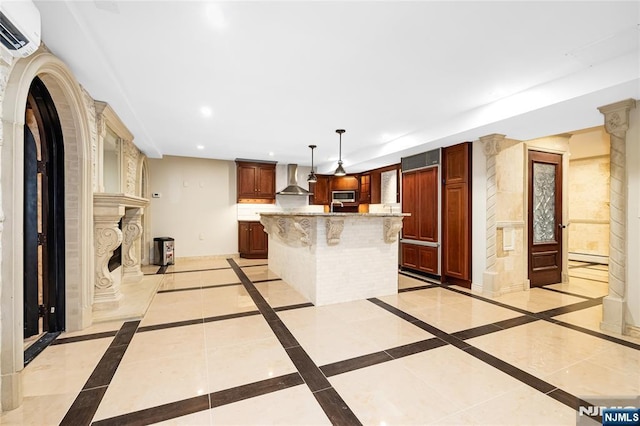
[19,27]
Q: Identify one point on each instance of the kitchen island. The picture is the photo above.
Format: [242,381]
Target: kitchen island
[335,257]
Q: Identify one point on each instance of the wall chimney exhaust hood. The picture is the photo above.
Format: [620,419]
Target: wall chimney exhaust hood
[293,188]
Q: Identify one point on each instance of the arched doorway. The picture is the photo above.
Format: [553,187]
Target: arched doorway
[77,126]
[43,215]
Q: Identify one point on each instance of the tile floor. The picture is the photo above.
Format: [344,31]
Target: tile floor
[228,343]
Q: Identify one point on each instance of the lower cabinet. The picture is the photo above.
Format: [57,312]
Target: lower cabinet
[419,257]
[253,242]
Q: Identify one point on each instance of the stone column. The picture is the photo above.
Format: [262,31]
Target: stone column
[132,230]
[616,121]
[107,237]
[491,145]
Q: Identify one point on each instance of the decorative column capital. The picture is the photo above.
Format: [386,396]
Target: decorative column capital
[492,144]
[616,116]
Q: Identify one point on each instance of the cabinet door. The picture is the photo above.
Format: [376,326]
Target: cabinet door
[456,215]
[321,190]
[266,182]
[243,238]
[410,256]
[365,189]
[258,240]
[344,183]
[410,205]
[427,216]
[247,176]
[428,259]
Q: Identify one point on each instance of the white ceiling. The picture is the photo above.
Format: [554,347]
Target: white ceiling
[400,77]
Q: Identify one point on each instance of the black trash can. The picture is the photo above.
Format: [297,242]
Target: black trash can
[163,251]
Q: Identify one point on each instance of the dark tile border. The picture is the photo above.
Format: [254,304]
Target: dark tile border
[330,401]
[513,371]
[568,293]
[204,287]
[159,413]
[292,307]
[162,270]
[250,266]
[84,337]
[199,270]
[254,389]
[267,280]
[420,287]
[86,404]
[38,346]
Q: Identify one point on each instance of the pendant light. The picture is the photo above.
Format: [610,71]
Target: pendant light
[340,170]
[312,176]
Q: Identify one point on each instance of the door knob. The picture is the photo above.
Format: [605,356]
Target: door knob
[561,226]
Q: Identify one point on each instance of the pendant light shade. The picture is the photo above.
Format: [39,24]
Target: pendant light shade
[340,170]
[312,176]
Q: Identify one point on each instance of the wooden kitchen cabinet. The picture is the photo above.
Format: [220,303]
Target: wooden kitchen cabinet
[421,258]
[256,182]
[320,190]
[253,242]
[365,189]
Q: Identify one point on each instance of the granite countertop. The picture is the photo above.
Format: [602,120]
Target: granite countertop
[335,214]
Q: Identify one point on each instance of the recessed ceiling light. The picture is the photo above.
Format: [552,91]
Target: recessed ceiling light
[271,154]
[200,147]
[215,16]
[206,111]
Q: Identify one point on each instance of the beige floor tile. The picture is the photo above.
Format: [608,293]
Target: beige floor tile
[589,379]
[470,382]
[279,293]
[465,314]
[541,348]
[537,300]
[250,262]
[620,358]
[292,406]
[235,365]
[45,410]
[226,300]
[100,327]
[390,394]
[259,273]
[522,406]
[405,281]
[590,319]
[583,287]
[64,368]
[236,331]
[153,345]
[144,384]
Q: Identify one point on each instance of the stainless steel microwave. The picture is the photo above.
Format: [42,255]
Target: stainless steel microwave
[343,196]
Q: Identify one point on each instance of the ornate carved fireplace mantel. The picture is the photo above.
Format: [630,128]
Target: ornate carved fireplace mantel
[108,209]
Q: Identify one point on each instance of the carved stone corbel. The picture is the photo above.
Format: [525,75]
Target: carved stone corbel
[132,230]
[392,226]
[334,231]
[108,237]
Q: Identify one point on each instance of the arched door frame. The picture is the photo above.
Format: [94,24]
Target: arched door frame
[70,101]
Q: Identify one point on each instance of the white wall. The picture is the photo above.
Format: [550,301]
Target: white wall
[197,205]
[633,219]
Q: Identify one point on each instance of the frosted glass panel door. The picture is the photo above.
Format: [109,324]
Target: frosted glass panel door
[544,195]
[545,218]
[389,185]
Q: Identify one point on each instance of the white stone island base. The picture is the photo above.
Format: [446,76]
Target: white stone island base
[335,257]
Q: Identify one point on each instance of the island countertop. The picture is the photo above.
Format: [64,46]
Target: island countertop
[335,257]
[335,214]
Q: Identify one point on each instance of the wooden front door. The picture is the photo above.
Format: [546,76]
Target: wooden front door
[545,218]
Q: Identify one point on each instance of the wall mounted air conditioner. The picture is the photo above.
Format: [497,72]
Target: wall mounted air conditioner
[19,27]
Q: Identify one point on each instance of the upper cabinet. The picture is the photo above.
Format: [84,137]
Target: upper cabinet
[320,190]
[256,181]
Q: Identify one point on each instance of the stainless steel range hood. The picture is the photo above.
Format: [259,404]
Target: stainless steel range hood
[293,188]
